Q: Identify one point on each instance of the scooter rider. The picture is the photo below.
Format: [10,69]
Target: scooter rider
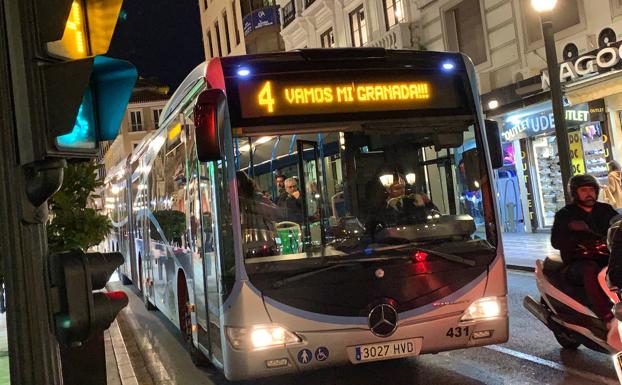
[579,232]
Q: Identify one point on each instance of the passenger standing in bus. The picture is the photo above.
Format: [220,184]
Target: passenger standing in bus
[292,202]
[281,194]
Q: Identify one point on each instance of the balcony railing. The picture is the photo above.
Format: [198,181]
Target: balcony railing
[289,13]
[308,3]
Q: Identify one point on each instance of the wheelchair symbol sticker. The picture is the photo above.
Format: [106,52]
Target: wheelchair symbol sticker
[321,353]
[305,356]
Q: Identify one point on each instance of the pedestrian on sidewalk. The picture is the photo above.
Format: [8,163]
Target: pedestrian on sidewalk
[613,191]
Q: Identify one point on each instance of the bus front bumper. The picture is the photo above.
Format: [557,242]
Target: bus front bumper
[320,349]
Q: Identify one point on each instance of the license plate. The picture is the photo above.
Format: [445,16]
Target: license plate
[385,350]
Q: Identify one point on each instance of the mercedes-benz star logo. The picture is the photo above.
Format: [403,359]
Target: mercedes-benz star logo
[383,320]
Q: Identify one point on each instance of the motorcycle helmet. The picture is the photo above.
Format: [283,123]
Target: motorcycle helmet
[580,181]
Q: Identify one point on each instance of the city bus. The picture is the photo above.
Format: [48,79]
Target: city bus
[312,208]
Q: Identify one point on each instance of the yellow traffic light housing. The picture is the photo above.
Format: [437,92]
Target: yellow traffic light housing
[88,30]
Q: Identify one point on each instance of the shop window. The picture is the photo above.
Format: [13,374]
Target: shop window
[218,39]
[226,25]
[136,121]
[358,27]
[567,14]
[393,12]
[465,30]
[327,39]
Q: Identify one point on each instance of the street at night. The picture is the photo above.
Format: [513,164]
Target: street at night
[310,192]
[531,356]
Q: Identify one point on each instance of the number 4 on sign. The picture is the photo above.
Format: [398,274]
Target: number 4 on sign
[265,97]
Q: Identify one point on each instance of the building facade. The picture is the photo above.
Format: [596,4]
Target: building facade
[238,27]
[504,40]
[141,118]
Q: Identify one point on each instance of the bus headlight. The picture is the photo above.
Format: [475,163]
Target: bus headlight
[260,337]
[487,307]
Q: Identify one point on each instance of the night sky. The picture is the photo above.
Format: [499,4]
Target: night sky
[161,37]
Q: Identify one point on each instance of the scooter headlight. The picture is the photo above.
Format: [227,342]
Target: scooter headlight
[260,337]
[487,307]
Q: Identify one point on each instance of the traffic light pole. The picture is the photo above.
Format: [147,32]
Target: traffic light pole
[33,350]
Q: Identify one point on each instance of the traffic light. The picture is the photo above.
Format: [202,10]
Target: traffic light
[66,97]
[80,313]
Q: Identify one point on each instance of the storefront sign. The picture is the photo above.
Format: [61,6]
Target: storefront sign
[528,185]
[540,123]
[247,24]
[592,63]
[260,18]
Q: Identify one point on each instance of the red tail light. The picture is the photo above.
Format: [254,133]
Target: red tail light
[421,256]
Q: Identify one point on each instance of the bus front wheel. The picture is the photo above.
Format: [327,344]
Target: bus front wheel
[185,326]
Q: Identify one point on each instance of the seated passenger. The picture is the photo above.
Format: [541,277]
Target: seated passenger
[407,208]
[291,204]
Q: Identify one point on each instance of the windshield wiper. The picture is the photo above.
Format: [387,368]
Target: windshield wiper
[297,277]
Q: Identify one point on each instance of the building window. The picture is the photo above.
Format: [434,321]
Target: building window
[393,12]
[358,27]
[328,39]
[209,44]
[134,145]
[218,39]
[465,30]
[226,26]
[235,22]
[566,15]
[289,13]
[156,117]
[136,121]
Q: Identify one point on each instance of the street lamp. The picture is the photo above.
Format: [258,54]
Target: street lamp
[545,9]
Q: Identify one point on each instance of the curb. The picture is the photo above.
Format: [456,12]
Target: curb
[122,358]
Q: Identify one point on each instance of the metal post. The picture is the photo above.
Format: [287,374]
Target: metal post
[33,350]
[561,132]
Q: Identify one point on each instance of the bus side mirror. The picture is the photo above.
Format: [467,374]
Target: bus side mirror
[494,143]
[472,175]
[209,117]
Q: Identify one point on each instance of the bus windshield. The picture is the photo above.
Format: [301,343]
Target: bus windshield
[357,189]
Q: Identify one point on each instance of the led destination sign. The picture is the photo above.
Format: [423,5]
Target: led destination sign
[277,97]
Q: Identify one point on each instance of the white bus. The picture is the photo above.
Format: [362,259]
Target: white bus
[384,243]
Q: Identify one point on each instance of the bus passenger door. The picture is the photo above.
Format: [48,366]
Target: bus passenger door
[311,191]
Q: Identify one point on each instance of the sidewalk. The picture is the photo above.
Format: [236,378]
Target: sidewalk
[523,249]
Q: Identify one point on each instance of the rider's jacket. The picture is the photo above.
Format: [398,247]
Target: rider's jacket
[570,243]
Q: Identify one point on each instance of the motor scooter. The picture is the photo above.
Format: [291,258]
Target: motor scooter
[564,307]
